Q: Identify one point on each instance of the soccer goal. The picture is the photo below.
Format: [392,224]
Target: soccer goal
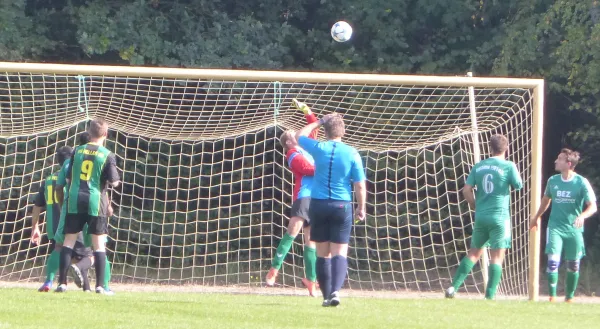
[206,193]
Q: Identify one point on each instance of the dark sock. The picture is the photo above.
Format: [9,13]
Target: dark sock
[324,276]
[86,280]
[100,265]
[84,264]
[65,261]
[339,268]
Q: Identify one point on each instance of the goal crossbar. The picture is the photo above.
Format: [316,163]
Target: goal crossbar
[287,76]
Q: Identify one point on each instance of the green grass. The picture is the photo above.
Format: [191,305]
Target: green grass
[29,309]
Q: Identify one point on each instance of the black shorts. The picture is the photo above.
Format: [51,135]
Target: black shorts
[300,209]
[80,251]
[331,221]
[74,223]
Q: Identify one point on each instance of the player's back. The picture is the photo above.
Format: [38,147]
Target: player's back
[52,205]
[337,165]
[87,179]
[494,178]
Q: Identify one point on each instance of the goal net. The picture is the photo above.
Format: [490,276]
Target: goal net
[206,193]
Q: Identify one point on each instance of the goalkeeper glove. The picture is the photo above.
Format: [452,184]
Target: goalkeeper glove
[301,106]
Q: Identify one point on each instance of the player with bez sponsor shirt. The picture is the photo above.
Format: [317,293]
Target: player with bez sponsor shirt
[573,201]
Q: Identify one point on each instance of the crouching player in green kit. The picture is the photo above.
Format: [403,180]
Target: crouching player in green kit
[569,193]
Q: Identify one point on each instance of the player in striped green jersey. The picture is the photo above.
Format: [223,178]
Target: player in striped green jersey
[92,170]
[79,270]
[46,199]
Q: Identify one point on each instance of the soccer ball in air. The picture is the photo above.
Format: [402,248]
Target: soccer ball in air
[341,31]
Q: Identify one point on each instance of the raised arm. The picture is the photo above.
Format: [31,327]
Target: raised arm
[308,114]
[306,130]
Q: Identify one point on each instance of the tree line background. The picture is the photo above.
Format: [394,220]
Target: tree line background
[554,40]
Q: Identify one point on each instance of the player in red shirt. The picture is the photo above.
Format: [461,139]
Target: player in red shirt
[302,166]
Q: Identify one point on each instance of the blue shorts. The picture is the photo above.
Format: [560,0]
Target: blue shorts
[330,220]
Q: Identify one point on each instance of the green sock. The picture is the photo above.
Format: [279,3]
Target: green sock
[495,274]
[310,263]
[284,247]
[465,267]
[52,264]
[552,283]
[572,279]
[107,274]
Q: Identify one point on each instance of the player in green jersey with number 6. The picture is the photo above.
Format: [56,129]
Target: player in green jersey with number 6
[573,201]
[493,179]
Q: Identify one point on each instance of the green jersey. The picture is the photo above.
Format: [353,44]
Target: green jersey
[493,178]
[91,167]
[569,199]
[46,197]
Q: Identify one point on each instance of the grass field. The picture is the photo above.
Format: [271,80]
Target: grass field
[26,308]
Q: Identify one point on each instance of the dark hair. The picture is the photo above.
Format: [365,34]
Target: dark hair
[498,144]
[98,128]
[572,156]
[63,153]
[84,138]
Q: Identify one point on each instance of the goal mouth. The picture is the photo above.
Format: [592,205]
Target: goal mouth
[206,194]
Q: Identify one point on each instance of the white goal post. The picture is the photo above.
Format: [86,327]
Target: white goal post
[206,194]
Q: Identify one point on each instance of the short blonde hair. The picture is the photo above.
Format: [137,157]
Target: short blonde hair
[98,128]
[334,127]
[286,136]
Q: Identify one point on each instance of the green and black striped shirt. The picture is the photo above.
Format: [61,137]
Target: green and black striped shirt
[92,167]
[46,197]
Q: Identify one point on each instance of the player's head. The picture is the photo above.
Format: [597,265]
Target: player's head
[98,130]
[63,153]
[288,139]
[84,138]
[567,160]
[334,126]
[498,145]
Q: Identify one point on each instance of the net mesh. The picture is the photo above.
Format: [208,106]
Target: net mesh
[206,194]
